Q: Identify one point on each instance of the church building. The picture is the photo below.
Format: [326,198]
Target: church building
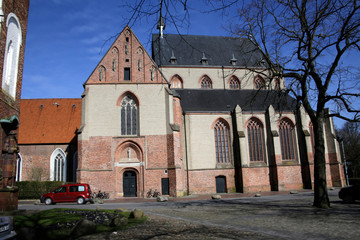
[198,116]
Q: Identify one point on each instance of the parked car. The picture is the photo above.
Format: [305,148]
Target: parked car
[350,194]
[7,228]
[77,192]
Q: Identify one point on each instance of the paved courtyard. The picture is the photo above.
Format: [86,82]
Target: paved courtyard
[284,216]
[281,217]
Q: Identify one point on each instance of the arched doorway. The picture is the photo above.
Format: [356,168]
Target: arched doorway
[129,184]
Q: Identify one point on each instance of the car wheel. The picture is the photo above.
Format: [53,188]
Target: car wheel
[348,199]
[80,200]
[48,201]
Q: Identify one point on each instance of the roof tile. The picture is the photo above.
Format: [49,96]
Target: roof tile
[45,121]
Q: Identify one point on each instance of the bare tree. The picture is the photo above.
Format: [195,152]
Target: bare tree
[305,42]
[309,40]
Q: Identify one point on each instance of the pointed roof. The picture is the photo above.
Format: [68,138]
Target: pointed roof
[126,54]
[219,51]
[201,100]
[49,121]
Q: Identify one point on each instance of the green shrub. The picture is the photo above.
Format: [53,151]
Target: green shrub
[34,189]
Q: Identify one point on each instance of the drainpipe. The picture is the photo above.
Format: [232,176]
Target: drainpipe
[345,164]
[222,68]
[186,159]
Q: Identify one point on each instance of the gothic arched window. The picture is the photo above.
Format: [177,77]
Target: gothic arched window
[234,83]
[287,139]
[129,112]
[18,168]
[58,165]
[222,140]
[12,51]
[206,82]
[255,132]
[259,83]
[176,82]
[101,73]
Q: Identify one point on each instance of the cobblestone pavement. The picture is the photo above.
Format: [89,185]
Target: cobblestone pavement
[277,217]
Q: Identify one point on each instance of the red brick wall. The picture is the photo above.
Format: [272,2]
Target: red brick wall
[8,105]
[203,181]
[36,159]
[99,156]
[255,179]
[289,177]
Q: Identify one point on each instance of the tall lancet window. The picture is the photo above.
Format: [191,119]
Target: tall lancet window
[287,140]
[256,140]
[12,52]
[222,140]
[129,112]
[58,165]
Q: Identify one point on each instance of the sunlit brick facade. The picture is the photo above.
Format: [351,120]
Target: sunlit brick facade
[13,27]
[198,116]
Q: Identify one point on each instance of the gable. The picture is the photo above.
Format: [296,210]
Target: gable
[126,62]
[48,121]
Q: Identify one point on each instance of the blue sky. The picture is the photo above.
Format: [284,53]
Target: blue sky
[65,41]
[67,38]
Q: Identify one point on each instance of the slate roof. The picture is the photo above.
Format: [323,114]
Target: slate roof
[190,49]
[49,121]
[200,100]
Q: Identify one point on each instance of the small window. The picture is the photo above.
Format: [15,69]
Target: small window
[81,189]
[259,83]
[127,74]
[206,82]
[60,190]
[176,82]
[234,83]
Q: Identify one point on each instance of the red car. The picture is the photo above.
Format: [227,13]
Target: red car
[76,192]
[350,194]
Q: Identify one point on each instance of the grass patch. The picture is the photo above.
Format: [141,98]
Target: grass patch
[59,223]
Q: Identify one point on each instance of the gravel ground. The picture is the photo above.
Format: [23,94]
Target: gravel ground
[158,227]
[293,218]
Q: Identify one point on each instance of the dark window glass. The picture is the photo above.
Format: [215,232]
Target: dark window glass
[206,82]
[222,142]
[255,140]
[126,73]
[287,140]
[128,116]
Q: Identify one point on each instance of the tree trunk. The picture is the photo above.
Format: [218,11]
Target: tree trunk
[321,198]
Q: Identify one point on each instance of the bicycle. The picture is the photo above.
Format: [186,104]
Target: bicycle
[156,194]
[152,193]
[100,195]
[149,193]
